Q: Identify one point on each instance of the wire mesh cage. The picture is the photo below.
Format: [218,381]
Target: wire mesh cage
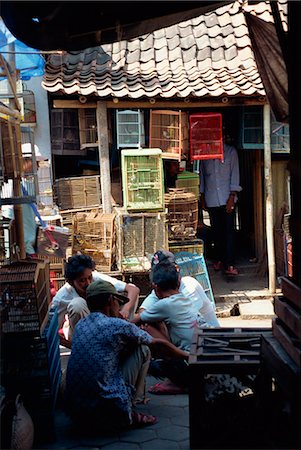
[142,179]
[94,235]
[194,265]
[139,236]
[24,296]
[206,137]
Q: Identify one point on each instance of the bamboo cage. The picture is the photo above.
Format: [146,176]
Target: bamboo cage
[77,192]
[182,214]
[94,235]
[139,236]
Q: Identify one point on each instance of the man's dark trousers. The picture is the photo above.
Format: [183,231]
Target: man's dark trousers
[222,225]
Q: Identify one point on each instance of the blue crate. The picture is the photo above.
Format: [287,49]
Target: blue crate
[194,265]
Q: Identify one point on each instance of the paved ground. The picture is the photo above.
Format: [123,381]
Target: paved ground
[172,430]
[170,433]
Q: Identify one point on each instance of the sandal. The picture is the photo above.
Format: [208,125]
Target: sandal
[142,420]
[166,388]
[231,271]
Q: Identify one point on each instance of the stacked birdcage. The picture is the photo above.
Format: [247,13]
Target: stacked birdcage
[25,297]
[182,214]
[93,235]
[141,224]
[77,192]
[139,236]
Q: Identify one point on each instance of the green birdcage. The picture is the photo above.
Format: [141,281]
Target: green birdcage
[142,179]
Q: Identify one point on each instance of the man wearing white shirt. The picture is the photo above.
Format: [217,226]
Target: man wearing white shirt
[71,298]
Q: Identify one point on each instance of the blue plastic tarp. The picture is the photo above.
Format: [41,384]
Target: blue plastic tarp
[27,60]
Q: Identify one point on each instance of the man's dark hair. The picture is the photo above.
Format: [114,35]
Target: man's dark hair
[98,302]
[165,276]
[76,265]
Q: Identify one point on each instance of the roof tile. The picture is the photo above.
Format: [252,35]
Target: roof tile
[231,53]
[173,42]
[187,42]
[207,55]
[161,54]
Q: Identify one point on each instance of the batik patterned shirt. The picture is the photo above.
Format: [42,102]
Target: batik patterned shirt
[93,372]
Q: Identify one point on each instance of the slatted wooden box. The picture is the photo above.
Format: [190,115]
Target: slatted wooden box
[68,214]
[94,235]
[31,366]
[25,297]
[234,351]
[142,180]
[77,192]
[139,236]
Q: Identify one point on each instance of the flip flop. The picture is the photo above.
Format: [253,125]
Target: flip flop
[166,389]
[142,420]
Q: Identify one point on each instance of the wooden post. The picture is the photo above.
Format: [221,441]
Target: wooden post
[258,206]
[16,156]
[269,198]
[104,157]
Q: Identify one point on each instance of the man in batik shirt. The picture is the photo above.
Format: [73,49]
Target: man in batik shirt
[108,363]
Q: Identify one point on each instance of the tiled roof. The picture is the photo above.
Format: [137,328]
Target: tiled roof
[209,55]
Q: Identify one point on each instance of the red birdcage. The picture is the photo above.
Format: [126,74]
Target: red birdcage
[206,137]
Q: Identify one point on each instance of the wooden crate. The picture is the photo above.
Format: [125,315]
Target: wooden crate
[234,351]
[94,235]
[139,236]
[77,192]
[67,218]
[25,297]
[142,180]
[217,350]
[290,343]
[194,246]
[32,368]
[182,215]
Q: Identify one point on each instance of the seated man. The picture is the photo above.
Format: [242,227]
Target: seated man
[196,307]
[108,363]
[189,287]
[71,298]
[176,310]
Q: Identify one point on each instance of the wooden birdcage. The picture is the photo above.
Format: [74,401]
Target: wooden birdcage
[25,297]
[182,214]
[139,236]
[166,133]
[77,192]
[93,235]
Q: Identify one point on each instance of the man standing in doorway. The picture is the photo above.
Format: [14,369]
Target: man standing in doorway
[219,185]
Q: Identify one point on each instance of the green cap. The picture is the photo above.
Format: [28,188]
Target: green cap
[99,288]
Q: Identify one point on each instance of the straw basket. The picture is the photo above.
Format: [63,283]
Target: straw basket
[182,215]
